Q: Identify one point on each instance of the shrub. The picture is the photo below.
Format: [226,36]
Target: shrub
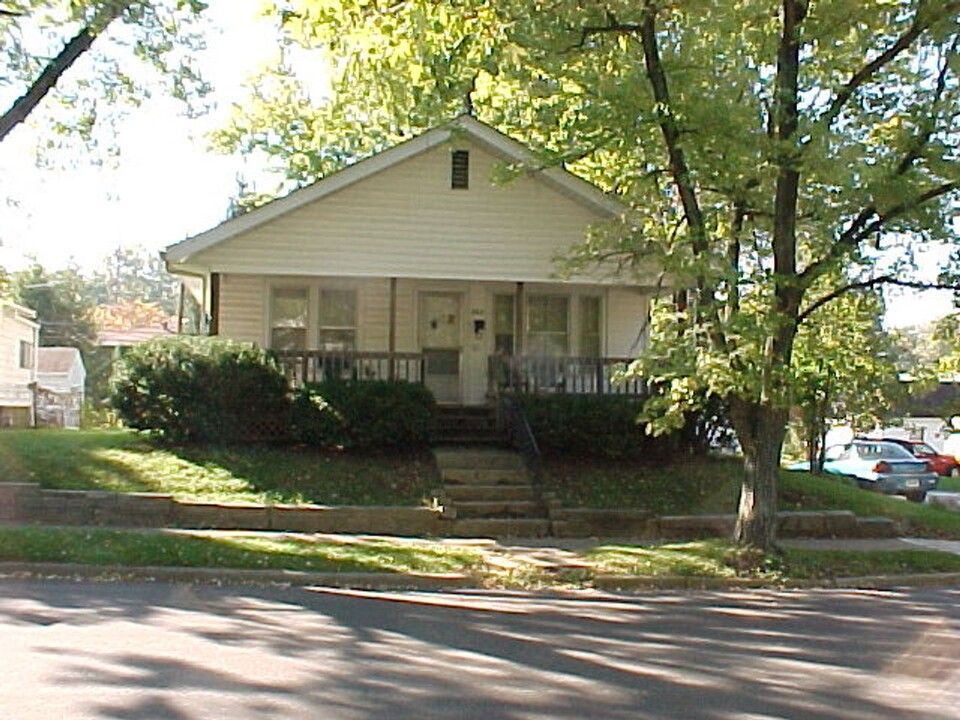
[364,414]
[592,425]
[205,390]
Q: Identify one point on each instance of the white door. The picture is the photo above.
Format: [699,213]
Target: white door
[441,345]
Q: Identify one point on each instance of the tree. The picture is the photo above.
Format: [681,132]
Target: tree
[134,275]
[63,305]
[844,369]
[43,40]
[762,147]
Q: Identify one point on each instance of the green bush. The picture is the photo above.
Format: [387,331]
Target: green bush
[592,425]
[204,390]
[364,414]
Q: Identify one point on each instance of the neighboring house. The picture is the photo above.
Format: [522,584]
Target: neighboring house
[414,264]
[19,332]
[60,382]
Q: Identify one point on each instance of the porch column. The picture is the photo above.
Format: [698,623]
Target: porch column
[214,304]
[392,337]
[518,321]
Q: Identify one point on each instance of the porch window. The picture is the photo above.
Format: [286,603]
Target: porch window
[338,320]
[590,327]
[548,331]
[289,307]
[503,325]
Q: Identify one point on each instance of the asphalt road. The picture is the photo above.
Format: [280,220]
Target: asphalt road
[77,650]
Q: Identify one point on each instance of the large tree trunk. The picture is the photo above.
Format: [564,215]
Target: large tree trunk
[760,429]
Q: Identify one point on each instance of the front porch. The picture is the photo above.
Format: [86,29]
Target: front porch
[442,373]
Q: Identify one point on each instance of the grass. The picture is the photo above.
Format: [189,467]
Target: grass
[122,461]
[258,551]
[700,486]
[265,551]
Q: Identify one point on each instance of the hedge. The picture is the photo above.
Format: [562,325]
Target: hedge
[203,390]
[364,414]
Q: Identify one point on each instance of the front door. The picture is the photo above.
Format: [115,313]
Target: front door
[440,344]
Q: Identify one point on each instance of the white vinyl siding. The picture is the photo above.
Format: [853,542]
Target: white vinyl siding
[16,332]
[406,222]
[627,312]
[243,306]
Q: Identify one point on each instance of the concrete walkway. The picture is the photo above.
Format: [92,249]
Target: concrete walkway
[866,545]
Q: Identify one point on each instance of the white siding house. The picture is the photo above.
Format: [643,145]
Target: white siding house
[60,379]
[18,364]
[415,262]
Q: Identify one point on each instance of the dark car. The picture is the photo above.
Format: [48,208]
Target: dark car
[945,465]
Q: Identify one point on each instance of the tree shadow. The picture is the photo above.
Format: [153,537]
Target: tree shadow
[259,652]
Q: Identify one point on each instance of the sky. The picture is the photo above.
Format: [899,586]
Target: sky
[166,185]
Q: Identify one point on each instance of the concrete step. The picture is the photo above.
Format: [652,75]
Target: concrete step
[499,509]
[484,476]
[501,528]
[493,439]
[489,493]
[472,457]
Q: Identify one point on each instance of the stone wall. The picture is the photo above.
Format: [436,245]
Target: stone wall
[27,502]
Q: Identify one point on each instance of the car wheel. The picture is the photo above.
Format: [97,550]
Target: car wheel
[917,497]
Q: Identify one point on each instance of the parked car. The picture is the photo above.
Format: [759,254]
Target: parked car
[945,465]
[882,466]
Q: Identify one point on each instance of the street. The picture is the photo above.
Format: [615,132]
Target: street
[80,650]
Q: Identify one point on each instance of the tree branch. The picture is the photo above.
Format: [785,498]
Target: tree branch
[921,23]
[873,282]
[45,82]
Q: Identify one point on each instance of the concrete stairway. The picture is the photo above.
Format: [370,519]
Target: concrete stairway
[468,426]
[489,492]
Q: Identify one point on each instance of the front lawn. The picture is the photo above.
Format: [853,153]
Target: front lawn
[239,550]
[702,486]
[714,559]
[123,461]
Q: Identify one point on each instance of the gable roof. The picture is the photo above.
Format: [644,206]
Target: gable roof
[19,312]
[498,143]
[56,360]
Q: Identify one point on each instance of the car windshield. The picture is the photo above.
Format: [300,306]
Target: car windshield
[882,451]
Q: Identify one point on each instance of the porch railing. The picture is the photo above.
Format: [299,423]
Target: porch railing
[537,375]
[309,366]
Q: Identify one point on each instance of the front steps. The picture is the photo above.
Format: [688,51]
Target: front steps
[472,426]
[489,493]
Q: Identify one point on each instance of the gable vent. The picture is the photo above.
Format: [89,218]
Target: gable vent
[460,170]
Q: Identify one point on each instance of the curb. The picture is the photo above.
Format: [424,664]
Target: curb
[631,583]
[228,576]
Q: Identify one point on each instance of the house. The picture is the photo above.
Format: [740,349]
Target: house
[413,264]
[60,385]
[19,333]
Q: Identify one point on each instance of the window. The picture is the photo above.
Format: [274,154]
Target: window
[547,325]
[590,327]
[288,318]
[503,325]
[338,320]
[460,170]
[26,355]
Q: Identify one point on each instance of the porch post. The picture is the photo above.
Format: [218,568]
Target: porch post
[214,304]
[392,338]
[518,321]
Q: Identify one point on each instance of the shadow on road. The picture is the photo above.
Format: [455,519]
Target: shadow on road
[178,651]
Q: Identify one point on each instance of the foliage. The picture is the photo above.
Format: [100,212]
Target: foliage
[129,47]
[123,461]
[133,277]
[591,425]
[364,414]
[204,390]
[843,369]
[62,304]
